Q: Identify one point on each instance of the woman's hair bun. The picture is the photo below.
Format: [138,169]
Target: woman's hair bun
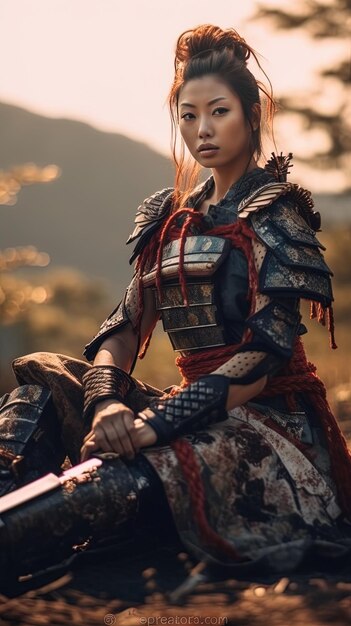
[207,38]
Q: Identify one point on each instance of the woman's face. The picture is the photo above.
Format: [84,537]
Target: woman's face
[211,113]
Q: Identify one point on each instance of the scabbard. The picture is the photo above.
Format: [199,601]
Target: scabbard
[41,522]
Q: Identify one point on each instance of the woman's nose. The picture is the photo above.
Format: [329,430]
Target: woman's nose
[205,129]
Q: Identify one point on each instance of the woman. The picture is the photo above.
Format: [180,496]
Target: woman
[251,461]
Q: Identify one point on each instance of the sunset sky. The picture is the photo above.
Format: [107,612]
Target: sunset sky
[110,62]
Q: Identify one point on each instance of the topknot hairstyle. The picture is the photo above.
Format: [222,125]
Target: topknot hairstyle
[208,38]
[204,50]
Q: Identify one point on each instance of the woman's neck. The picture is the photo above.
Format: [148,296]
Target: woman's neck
[225,178]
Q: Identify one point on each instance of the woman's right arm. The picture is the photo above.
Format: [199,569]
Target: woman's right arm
[113,424]
[118,342]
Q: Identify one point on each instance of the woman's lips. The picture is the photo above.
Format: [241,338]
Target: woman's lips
[208,152]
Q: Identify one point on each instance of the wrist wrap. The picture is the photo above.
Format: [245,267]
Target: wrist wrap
[102,382]
[196,407]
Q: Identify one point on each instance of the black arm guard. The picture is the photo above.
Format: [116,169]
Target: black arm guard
[196,407]
[102,382]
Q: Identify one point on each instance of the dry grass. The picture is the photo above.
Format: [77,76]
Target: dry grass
[317,602]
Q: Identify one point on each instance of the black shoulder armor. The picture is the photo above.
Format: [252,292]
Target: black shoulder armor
[148,217]
[117,319]
[294,264]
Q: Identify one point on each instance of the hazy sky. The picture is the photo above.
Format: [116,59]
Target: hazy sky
[110,62]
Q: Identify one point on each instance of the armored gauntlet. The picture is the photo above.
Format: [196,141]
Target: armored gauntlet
[196,407]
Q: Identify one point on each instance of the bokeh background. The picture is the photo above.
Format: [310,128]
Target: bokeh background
[85,136]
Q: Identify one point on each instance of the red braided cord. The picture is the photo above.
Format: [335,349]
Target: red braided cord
[162,242]
[340,455]
[193,218]
[167,235]
[143,262]
[321,314]
[313,309]
[190,468]
[182,280]
[241,236]
[331,328]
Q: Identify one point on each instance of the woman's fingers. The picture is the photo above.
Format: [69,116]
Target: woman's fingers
[115,432]
[115,429]
[87,449]
[95,440]
[128,435]
[118,439]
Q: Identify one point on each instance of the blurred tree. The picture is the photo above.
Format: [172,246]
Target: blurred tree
[16,294]
[70,316]
[11,181]
[54,311]
[322,20]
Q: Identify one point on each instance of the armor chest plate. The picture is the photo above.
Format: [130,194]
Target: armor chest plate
[197,325]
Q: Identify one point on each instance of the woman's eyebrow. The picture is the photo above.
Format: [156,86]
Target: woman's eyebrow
[193,106]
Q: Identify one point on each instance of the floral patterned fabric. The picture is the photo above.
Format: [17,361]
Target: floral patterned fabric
[263,495]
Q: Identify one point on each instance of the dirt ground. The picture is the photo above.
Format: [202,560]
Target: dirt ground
[137,584]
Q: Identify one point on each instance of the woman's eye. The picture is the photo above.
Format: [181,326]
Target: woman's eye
[220,110]
[184,117]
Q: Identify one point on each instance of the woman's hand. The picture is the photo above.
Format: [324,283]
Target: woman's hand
[114,429]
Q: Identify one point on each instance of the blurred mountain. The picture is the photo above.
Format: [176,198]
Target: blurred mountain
[83,218]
